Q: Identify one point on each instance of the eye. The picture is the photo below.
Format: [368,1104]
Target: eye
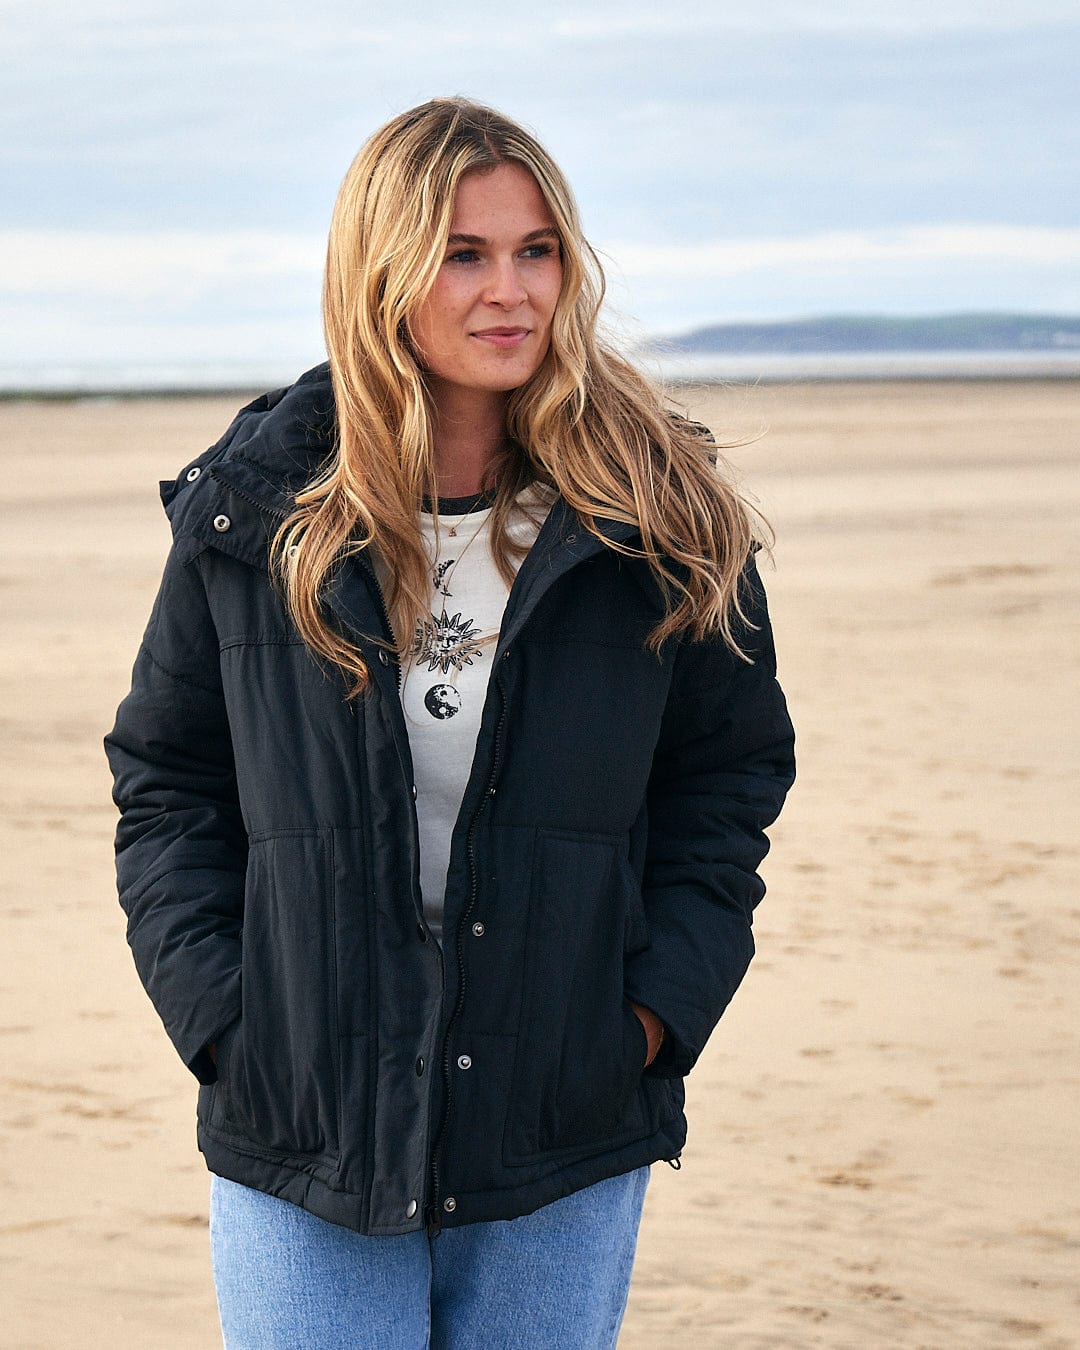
[463,255]
[538,251]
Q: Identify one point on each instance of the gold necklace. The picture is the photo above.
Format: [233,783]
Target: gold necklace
[441,578]
[473,504]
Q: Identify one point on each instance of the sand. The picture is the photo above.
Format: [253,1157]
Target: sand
[883,1146]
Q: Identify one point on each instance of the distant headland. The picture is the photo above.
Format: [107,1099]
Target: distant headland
[857,333]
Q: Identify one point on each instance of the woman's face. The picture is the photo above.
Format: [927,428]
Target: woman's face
[486,324]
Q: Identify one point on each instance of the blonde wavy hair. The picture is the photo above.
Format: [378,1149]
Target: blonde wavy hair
[587,423]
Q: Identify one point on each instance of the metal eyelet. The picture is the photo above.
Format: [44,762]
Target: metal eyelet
[222,523]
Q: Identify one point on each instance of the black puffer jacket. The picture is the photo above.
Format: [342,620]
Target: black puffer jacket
[606,850]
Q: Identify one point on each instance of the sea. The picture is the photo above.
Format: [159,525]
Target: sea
[132,379]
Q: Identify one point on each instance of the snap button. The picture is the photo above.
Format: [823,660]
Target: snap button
[478,929]
[193,473]
[420,1066]
[410,1209]
[222,523]
[464,1062]
[449,1204]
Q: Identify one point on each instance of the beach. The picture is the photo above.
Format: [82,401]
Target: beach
[883,1146]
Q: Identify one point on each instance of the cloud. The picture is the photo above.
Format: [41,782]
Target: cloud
[166,296]
[246,295]
[257,22]
[920,244]
[693,120]
[153,267]
[918,270]
[825,16]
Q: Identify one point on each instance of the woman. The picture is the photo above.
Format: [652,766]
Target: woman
[443,777]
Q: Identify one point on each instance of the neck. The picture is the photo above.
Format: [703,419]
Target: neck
[469,431]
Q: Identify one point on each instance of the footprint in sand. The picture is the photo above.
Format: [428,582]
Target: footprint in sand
[989,572]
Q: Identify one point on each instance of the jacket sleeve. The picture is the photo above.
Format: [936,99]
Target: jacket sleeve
[723,765]
[181,846]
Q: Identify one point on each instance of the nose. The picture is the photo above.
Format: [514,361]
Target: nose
[504,287]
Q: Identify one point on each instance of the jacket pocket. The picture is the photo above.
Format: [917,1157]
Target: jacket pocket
[581,1049]
[278,1064]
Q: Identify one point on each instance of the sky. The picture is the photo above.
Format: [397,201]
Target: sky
[167,171]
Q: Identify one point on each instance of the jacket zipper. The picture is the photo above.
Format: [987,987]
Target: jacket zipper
[431,1212]
[434,1219]
[384,613]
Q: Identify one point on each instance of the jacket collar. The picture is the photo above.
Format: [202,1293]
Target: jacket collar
[274,447]
[562,543]
[234,495]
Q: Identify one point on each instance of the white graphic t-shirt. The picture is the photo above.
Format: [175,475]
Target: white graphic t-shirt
[445,679]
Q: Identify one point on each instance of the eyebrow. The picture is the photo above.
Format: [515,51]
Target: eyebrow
[546,232]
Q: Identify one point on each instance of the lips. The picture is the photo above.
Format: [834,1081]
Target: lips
[502,337]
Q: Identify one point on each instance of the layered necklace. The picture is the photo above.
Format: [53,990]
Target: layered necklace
[448,642]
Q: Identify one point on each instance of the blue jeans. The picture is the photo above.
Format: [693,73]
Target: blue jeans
[556,1279]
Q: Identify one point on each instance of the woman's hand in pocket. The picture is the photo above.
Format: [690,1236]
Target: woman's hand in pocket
[654,1030]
